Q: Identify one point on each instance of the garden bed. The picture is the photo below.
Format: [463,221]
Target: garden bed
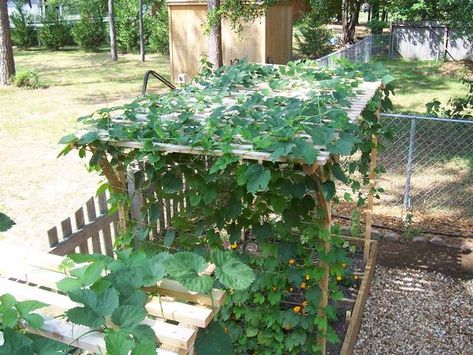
[350,308]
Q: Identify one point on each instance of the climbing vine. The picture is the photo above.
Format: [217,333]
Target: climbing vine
[264,214]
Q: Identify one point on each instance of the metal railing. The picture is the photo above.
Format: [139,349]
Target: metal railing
[157,76]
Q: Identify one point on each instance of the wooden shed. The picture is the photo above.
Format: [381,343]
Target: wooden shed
[267,39]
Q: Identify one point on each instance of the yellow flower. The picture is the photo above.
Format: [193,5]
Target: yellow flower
[356,277]
[307,277]
[339,278]
[297,309]
[291,289]
[344,265]
[305,303]
[303,285]
[234,245]
[292,262]
[225,330]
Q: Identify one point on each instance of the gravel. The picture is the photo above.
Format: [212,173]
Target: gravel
[417,312]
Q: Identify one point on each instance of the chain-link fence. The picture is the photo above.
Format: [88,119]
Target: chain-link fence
[362,51]
[429,166]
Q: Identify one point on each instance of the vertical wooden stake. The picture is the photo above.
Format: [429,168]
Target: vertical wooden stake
[372,186]
[122,212]
[318,175]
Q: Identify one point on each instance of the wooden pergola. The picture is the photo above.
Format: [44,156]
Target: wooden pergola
[300,89]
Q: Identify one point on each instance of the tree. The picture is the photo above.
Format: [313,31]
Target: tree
[350,12]
[215,34]
[112,31]
[7,63]
[140,30]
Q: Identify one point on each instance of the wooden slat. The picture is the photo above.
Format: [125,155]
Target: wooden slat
[175,289]
[92,216]
[165,333]
[66,227]
[107,233]
[53,237]
[80,223]
[75,239]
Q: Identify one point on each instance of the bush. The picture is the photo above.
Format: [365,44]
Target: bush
[23,33]
[377,26]
[313,40]
[28,79]
[159,36]
[90,31]
[55,31]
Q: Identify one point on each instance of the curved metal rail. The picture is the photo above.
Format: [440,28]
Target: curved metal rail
[157,76]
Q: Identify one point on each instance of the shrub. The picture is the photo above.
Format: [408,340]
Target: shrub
[126,19]
[313,40]
[55,31]
[28,79]
[23,33]
[90,31]
[159,32]
[377,26]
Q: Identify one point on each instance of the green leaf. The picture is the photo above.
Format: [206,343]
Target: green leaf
[137,298]
[44,346]
[5,222]
[185,267]
[89,137]
[171,183]
[85,316]
[251,332]
[322,135]
[274,297]
[9,317]
[26,307]
[328,189]
[68,139]
[128,316]
[15,343]
[153,270]
[169,238]
[338,172]
[343,145]
[257,178]
[143,333]
[388,78]
[213,341]
[34,320]
[231,272]
[305,151]
[145,348]
[118,343]
[69,284]
[279,203]
[262,231]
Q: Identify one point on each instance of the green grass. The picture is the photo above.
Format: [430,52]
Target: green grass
[419,82]
[37,189]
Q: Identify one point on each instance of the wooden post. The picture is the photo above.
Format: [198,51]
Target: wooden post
[372,186]
[317,172]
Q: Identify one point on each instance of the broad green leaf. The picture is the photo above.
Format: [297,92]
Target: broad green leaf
[322,135]
[128,316]
[231,272]
[328,189]
[118,343]
[5,222]
[44,346]
[29,306]
[213,341]
[257,178]
[68,139]
[338,172]
[171,183]
[88,138]
[343,145]
[137,298]
[262,231]
[15,343]
[169,238]
[185,267]
[279,203]
[34,320]
[388,78]
[69,284]
[143,333]
[85,316]
[9,317]
[145,348]
[153,271]
[305,151]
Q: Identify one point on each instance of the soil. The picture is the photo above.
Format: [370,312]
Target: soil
[425,256]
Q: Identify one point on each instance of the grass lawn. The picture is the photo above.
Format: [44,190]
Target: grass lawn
[37,190]
[418,82]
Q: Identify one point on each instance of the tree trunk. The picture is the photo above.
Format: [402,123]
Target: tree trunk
[140,24]
[350,12]
[112,30]
[215,37]
[7,64]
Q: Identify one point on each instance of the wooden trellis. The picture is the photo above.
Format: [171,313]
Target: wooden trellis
[175,316]
[244,150]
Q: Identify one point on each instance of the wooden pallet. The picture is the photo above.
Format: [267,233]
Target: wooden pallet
[175,317]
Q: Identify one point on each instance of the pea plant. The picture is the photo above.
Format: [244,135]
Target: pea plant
[258,221]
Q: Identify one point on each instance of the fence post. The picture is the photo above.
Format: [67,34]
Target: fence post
[410,159]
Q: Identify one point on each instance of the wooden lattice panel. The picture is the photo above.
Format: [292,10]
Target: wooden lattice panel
[28,275]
